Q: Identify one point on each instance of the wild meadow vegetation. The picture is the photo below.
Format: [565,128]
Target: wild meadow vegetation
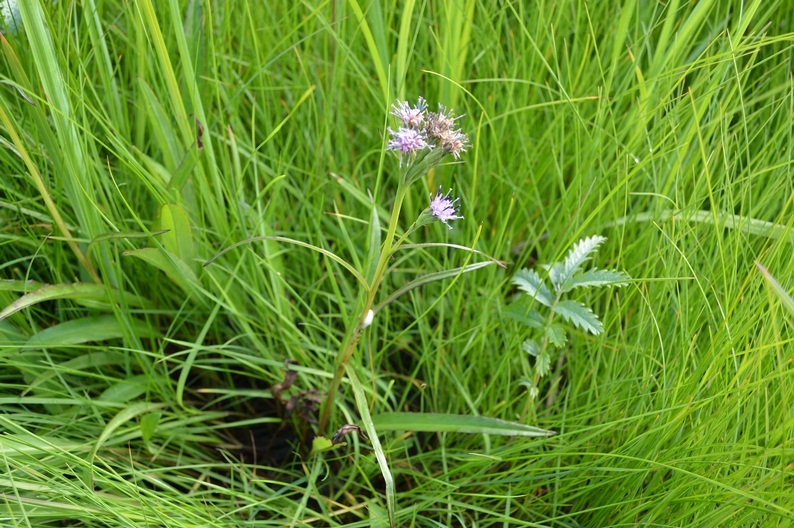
[209,267]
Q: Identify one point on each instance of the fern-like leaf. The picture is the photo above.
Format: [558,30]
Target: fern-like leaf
[556,335]
[578,255]
[530,347]
[580,315]
[596,277]
[529,281]
[543,364]
[531,318]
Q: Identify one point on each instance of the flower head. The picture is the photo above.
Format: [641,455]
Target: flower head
[407,141]
[443,208]
[440,128]
[410,117]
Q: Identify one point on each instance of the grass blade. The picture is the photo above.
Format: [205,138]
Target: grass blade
[454,423]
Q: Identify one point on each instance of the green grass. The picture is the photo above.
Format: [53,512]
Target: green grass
[143,396]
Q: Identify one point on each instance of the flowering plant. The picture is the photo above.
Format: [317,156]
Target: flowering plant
[422,140]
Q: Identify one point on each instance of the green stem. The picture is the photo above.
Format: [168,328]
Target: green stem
[356,328]
[544,344]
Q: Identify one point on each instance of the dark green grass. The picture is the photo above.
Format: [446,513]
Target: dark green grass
[665,127]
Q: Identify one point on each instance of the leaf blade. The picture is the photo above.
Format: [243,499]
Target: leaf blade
[530,282]
[454,423]
[580,315]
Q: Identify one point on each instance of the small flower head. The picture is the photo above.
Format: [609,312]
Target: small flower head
[440,128]
[407,141]
[410,117]
[443,208]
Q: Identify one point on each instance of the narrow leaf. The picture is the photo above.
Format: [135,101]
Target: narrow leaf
[431,277]
[83,330]
[529,281]
[115,235]
[78,291]
[123,417]
[580,315]
[176,269]
[777,288]
[372,431]
[91,361]
[373,251]
[333,256]
[454,423]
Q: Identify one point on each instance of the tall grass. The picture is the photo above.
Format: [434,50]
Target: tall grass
[142,138]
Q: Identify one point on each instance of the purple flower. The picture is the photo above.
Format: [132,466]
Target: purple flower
[407,141]
[410,117]
[443,208]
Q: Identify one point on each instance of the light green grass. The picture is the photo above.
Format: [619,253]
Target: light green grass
[130,400]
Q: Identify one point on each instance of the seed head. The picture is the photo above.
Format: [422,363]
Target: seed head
[440,128]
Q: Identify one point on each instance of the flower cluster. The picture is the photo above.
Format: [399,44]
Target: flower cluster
[425,130]
[424,138]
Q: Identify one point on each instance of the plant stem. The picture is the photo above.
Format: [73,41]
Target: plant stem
[356,327]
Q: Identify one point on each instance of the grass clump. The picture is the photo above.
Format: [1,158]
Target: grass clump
[139,387]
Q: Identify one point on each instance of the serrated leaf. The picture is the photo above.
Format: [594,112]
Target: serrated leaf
[578,255]
[519,313]
[529,281]
[580,315]
[530,347]
[596,277]
[556,275]
[556,334]
[542,364]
